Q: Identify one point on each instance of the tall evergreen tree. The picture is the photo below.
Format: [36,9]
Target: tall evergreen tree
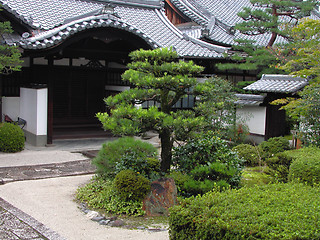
[159,76]
[268,18]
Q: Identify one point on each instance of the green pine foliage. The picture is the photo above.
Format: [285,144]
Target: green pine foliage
[266,17]
[9,55]
[269,212]
[160,76]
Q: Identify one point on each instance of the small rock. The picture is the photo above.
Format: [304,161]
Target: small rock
[154,230]
[104,222]
[92,214]
[98,218]
[113,218]
[141,227]
[116,223]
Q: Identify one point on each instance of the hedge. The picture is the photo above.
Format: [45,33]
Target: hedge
[278,211]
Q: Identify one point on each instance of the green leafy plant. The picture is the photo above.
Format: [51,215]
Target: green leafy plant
[127,153]
[11,138]
[101,194]
[209,162]
[131,186]
[275,211]
[251,154]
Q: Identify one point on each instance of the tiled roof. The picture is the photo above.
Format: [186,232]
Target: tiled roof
[219,17]
[278,84]
[249,99]
[52,21]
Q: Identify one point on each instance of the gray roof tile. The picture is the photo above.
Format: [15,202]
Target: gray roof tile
[278,84]
[56,20]
[219,16]
[249,99]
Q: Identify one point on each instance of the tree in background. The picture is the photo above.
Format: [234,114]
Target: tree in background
[9,55]
[268,18]
[302,58]
[159,76]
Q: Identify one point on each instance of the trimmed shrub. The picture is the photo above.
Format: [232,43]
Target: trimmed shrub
[306,167]
[249,153]
[207,158]
[279,166]
[273,146]
[126,153]
[131,186]
[277,211]
[11,138]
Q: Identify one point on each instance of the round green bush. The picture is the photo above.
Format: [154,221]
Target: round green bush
[11,138]
[277,211]
[131,186]
[279,166]
[126,153]
[306,170]
[249,153]
[273,146]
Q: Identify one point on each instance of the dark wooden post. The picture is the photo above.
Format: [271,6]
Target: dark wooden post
[50,101]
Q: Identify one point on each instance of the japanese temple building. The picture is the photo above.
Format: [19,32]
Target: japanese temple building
[74,52]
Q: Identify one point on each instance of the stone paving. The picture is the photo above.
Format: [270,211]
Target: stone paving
[11,174]
[15,224]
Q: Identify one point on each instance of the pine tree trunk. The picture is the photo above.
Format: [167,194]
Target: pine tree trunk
[166,150]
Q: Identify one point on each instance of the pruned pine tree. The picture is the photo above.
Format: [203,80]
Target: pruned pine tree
[269,18]
[159,76]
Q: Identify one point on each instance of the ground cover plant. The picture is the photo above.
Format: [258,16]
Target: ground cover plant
[278,211]
[125,169]
[252,176]
[102,195]
[11,138]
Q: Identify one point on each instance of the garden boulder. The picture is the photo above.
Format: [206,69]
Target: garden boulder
[163,195]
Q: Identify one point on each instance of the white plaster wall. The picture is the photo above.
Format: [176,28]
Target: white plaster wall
[254,117]
[33,108]
[42,111]
[11,107]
